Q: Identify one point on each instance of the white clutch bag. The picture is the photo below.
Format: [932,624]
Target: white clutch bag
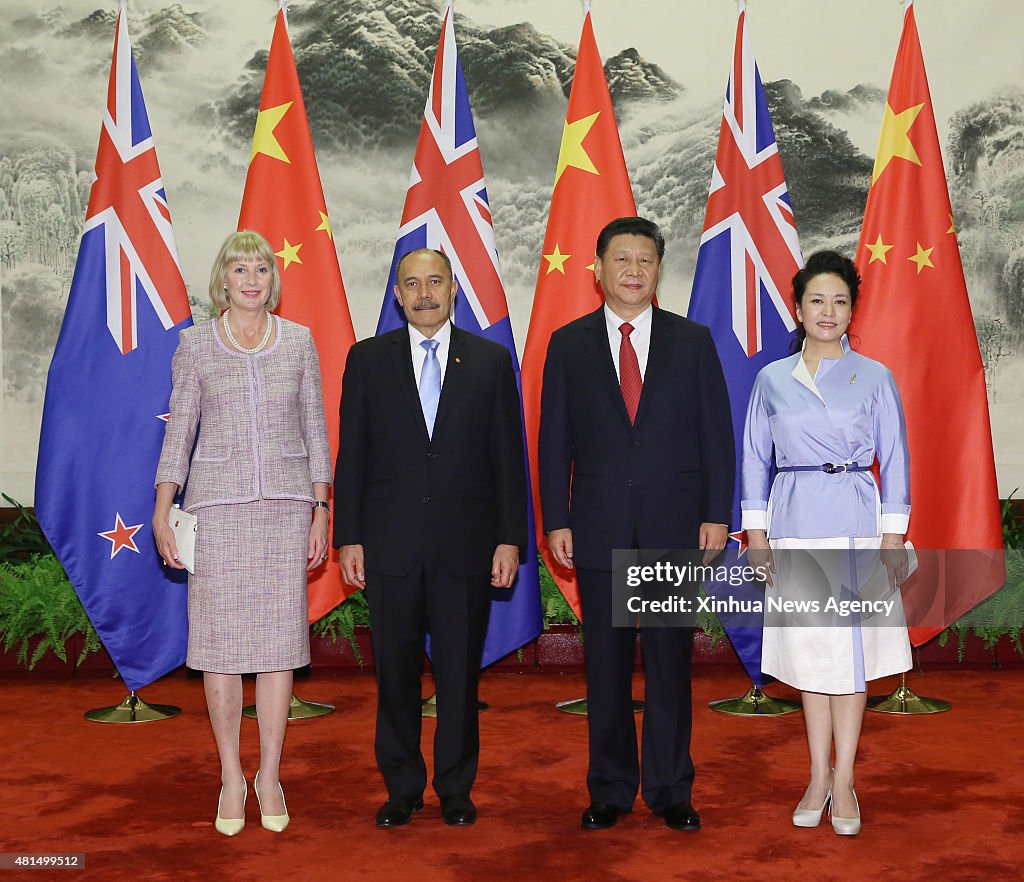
[184,525]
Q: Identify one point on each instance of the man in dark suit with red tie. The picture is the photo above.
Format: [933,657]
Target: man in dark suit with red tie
[636,452]
[430,499]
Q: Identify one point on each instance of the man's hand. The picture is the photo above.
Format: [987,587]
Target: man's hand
[759,554]
[712,540]
[504,566]
[560,543]
[353,566]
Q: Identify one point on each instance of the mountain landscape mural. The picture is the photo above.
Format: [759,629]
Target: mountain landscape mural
[365,70]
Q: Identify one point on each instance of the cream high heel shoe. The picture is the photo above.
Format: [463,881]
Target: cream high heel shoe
[848,826]
[810,817]
[274,823]
[231,826]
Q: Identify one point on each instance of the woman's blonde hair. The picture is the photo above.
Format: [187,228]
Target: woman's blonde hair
[243,245]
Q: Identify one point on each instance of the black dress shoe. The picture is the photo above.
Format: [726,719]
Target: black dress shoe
[457,810]
[681,816]
[398,810]
[601,816]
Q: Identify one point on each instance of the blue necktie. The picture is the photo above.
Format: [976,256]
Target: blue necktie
[430,384]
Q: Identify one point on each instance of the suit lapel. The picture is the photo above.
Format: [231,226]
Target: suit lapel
[401,359]
[599,353]
[658,358]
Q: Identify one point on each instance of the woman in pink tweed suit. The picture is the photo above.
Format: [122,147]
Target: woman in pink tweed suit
[248,384]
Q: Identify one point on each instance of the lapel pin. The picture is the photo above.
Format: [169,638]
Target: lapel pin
[458,360]
[853,379]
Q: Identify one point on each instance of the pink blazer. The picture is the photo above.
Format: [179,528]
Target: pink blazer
[259,419]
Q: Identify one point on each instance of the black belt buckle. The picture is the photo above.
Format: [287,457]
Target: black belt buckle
[831,469]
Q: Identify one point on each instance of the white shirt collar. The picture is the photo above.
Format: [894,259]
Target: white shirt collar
[614,322]
[844,341]
[442,336]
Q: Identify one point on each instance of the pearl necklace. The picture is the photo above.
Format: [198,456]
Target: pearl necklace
[239,346]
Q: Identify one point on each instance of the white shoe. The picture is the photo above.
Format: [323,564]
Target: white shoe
[810,817]
[231,826]
[848,826]
[274,823]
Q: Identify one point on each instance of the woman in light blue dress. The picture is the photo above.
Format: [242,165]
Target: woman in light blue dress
[819,419]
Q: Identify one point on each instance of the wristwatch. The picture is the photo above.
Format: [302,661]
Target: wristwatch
[319,503]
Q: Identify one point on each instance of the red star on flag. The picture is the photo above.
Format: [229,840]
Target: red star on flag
[122,536]
[740,537]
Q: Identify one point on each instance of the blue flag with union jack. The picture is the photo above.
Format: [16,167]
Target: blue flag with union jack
[107,393]
[748,255]
[446,209]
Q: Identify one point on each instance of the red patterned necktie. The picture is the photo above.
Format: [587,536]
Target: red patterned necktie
[630,381]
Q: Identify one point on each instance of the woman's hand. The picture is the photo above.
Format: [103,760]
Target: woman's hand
[893,554]
[165,544]
[317,551]
[162,532]
[759,554]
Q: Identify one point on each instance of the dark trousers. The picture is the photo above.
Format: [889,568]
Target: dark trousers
[455,611]
[614,775]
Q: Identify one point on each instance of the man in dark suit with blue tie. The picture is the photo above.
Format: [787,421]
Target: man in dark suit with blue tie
[430,499]
[636,452]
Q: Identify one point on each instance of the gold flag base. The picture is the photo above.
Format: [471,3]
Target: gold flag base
[297,709]
[754,703]
[905,701]
[578,706]
[132,710]
[430,707]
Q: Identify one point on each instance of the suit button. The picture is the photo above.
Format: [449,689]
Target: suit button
[426,499]
[629,483]
[431,455]
[634,443]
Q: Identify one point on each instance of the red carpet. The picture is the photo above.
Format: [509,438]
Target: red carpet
[940,795]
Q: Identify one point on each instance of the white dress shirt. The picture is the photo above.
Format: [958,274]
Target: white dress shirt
[640,338]
[419,354]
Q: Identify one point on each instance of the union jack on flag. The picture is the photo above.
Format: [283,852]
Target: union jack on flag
[128,203]
[749,252]
[446,208]
[107,393]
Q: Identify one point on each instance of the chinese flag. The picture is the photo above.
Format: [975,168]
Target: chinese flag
[914,316]
[591,189]
[284,202]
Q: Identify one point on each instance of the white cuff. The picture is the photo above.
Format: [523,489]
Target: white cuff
[754,519]
[895,523]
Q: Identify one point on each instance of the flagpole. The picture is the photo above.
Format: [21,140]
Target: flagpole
[298,708]
[579,706]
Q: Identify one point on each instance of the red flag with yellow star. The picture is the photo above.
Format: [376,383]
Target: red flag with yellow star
[914,316]
[591,189]
[284,202]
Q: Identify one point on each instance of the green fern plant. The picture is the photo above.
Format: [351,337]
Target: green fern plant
[342,621]
[23,536]
[554,607]
[1001,614]
[38,605]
